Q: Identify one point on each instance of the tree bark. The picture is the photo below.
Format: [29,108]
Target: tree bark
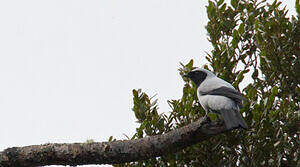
[110,152]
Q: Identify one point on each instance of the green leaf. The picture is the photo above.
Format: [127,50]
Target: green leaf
[255,74]
[241,28]
[235,34]
[223,7]
[274,90]
[297,6]
[234,3]
[220,2]
[190,64]
[210,9]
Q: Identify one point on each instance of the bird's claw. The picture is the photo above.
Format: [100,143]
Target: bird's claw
[206,120]
[221,122]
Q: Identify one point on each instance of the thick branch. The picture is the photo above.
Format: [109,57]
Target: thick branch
[110,152]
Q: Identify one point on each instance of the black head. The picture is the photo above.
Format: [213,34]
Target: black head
[197,76]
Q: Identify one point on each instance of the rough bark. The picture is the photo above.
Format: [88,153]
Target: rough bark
[110,152]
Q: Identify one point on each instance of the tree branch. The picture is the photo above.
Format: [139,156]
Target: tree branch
[110,152]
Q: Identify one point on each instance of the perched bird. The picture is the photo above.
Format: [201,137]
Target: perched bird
[218,96]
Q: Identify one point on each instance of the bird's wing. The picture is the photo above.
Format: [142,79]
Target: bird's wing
[227,92]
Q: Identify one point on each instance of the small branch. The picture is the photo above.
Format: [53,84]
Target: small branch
[110,152]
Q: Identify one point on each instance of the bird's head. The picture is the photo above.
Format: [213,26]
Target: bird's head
[198,75]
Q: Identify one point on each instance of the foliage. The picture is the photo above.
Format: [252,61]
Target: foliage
[253,40]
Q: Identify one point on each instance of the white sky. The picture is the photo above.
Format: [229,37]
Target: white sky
[68,67]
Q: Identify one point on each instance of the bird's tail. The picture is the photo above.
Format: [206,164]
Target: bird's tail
[233,119]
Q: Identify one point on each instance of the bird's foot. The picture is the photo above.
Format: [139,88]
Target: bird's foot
[206,120]
[221,122]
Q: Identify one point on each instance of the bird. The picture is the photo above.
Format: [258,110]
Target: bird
[218,96]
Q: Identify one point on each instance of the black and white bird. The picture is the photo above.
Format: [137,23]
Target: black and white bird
[218,96]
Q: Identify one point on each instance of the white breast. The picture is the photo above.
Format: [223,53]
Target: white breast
[212,102]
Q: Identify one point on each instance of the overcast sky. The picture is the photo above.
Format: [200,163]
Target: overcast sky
[68,67]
